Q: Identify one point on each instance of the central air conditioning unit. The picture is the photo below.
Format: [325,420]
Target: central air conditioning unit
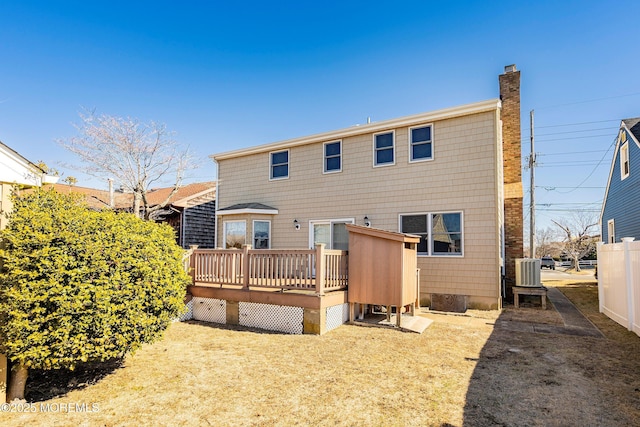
[528,272]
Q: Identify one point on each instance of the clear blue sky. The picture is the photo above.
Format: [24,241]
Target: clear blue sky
[226,75]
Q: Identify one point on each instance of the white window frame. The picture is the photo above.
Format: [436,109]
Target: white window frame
[611,231]
[253,233]
[624,160]
[393,149]
[409,138]
[324,157]
[429,216]
[271,165]
[329,222]
[224,230]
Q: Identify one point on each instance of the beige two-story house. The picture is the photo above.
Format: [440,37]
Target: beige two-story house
[449,176]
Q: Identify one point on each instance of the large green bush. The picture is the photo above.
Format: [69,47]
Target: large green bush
[79,285]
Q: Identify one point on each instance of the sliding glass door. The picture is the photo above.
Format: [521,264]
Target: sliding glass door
[333,233]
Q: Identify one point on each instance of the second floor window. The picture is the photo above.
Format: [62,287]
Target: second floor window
[279,165]
[333,157]
[383,150]
[624,160]
[421,143]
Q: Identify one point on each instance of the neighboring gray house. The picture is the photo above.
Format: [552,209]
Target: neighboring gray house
[191,210]
[621,206]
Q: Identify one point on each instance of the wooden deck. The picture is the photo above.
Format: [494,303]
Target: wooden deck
[314,271]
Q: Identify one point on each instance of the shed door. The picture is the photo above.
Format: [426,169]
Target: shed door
[332,233]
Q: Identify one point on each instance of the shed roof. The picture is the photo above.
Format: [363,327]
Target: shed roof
[383,234]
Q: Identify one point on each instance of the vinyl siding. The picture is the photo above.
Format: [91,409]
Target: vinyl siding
[623,197]
[462,177]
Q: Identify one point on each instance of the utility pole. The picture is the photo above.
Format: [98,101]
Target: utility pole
[532,206]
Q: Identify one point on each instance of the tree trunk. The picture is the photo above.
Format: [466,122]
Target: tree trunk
[18,382]
[136,203]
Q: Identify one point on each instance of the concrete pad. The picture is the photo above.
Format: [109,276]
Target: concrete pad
[409,323]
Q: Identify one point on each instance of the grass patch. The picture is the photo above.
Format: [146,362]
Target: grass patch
[463,371]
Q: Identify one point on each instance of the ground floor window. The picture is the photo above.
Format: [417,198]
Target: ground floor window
[440,234]
[261,234]
[611,231]
[235,234]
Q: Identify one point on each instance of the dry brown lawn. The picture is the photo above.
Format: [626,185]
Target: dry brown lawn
[462,371]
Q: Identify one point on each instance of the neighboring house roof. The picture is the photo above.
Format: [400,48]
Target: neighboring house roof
[184,194]
[243,208]
[15,168]
[95,199]
[447,113]
[99,199]
[633,125]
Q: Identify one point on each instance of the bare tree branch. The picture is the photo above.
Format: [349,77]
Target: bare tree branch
[576,230]
[138,155]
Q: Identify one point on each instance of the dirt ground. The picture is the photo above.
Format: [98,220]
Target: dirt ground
[462,371]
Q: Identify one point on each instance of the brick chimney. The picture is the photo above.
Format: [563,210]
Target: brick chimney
[512,161]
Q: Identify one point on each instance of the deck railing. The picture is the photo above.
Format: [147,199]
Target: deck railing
[317,270]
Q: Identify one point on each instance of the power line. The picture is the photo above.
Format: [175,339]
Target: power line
[575,131]
[567,165]
[566,210]
[572,163]
[571,203]
[593,171]
[572,153]
[554,187]
[591,100]
[575,137]
[577,124]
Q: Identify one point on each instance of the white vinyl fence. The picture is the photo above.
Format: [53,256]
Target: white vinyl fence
[619,282]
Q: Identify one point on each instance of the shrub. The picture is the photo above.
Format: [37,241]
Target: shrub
[78,285]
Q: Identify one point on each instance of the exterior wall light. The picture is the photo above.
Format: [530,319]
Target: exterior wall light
[296,224]
[367,223]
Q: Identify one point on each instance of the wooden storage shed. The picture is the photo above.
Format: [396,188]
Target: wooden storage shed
[382,269]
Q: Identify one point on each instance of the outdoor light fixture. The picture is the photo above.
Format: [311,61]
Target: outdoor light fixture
[367,223]
[296,224]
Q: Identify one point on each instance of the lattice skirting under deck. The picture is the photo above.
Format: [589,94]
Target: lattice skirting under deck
[272,317]
[189,314]
[209,310]
[337,315]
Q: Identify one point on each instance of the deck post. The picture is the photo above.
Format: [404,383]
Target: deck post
[417,303]
[192,262]
[245,266]
[320,267]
